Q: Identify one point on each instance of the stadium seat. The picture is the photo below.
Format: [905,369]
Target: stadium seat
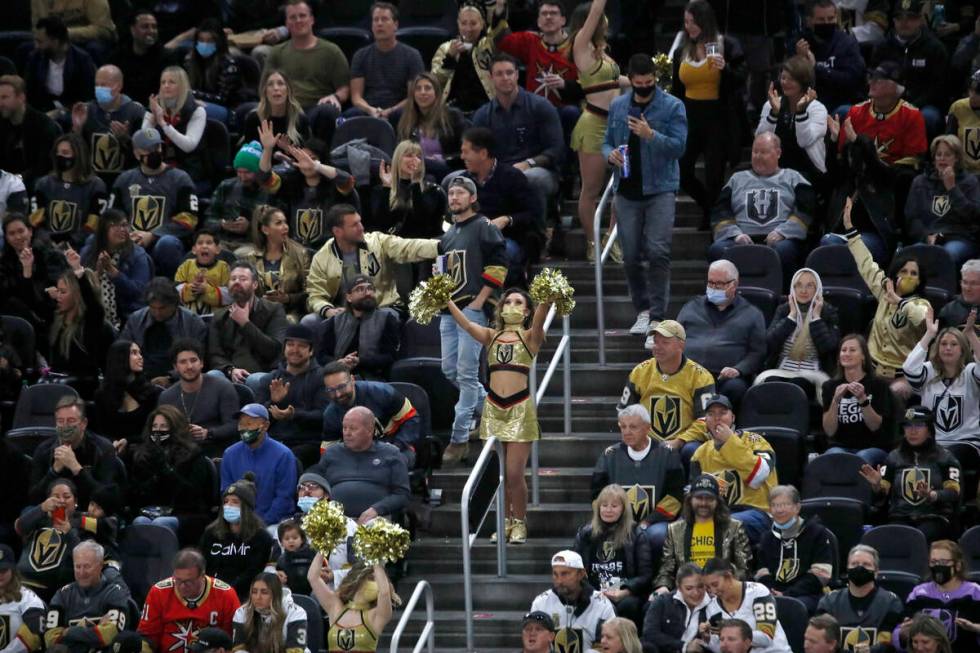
[900,548]
[433,13]
[793,617]
[898,582]
[836,475]
[835,545]
[970,543]
[427,374]
[314,622]
[35,407]
[836,267]
[420,400]
[424,38]
[11,41]
[779,412]
[7,66]
[251,71]
[147,554]
[760,276]
[420,340]
[428,451]
[218,147]
[348,39]
[375,131]
[19,334]
[940,270]
[854,308]
[214,484]
[844,517]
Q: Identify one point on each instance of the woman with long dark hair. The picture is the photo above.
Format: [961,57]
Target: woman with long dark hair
[67,202]
[270,621]
[360,608]
[406,203]
[282,263]
[214,75]
[616,553]
[859,411]
[29,265]
[437,128]
[80,335]
[45,562]
[236,545]
[709,76]
[509,412]
[122,267]
[168,476]
[126,396]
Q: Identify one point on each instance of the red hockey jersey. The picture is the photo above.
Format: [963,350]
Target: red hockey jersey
[540,58]
[169,623]
[900,135]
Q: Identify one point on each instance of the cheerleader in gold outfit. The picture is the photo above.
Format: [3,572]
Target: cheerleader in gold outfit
[509,412]
[360,608]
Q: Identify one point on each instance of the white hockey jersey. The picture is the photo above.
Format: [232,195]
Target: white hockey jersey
[575,632]
[956,406]
[294,628]
[20,623]
[758,610]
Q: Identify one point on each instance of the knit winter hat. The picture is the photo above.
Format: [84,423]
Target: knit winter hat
[244,489]
[248,157]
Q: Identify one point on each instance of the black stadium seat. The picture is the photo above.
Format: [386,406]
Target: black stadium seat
[146,552]
[793,617]
[314,622]
[844,518]
[779,412]
[835,475]
[35,407]
[760,276]
[900,548]
[375,131]
[425,39]
[941,272]
[349,39]
[970,543]
[427,374]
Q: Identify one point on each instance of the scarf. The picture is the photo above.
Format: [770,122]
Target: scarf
[802,343]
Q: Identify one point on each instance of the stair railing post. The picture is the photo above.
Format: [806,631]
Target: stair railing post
[600,314]
[501,510]
[566,330]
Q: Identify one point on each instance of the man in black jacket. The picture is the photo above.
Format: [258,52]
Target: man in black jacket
[26,134]
[672,621]
[75,453]
[923,60]
[835,56]
[796,557]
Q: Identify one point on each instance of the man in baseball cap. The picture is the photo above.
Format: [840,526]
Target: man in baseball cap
[211,640]
[537,632]
[271,461]
[579,627]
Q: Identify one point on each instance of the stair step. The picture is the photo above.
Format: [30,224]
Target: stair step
[557,484]
[544,520]
[433,555]
[494,630]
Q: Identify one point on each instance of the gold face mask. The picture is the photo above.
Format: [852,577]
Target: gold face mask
[906,284]
[367,594]
[512,315]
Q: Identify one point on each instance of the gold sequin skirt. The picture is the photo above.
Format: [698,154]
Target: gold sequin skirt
[518,423]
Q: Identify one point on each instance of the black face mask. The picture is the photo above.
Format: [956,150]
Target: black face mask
[643,93]
[824,32]
[152,160]
[64,163]
[860,576]
[941,574]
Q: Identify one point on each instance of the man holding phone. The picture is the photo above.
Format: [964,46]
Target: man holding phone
[652,125]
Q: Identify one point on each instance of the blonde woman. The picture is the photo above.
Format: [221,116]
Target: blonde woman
[437,128]
[281,262]
[616,553]
[360,608]
[619,636]
[406,203]
[180,120]
[277,105]
[599,77]
[462,65]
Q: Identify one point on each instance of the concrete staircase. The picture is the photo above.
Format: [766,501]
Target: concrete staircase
[566,459]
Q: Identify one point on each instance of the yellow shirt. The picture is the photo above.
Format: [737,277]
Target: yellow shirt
[701,81]
[702,542]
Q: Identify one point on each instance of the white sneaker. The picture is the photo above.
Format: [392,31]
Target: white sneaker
[641,325]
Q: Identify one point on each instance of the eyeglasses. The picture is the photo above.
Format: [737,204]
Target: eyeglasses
[340,387]
[363,287]
[934,563]
[186,581]
[720,285]
[307,487]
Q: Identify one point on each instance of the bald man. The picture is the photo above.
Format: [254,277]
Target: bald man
[107,122]
[370,478]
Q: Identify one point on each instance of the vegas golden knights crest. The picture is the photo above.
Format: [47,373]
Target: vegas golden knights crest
[373,265]
[569,640]
[345,639]
[971,143]
[852,636]
[899,319]
[911,477]
[665,415]
[4,630]
[107,156]
[731,487]
[61,216]
[505,353]
[309,225]
[608,551]
[940,205]
[47,551]
[148,211]
[641,499]
[456,268]
[788,569]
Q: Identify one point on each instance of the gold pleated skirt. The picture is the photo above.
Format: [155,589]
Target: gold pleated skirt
[518,423]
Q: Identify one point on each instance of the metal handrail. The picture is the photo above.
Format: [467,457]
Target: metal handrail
[564,350]
[468,538]
[600,258]
[428,636]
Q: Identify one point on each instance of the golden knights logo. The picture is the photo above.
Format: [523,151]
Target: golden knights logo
[853,636]
[642,499]
[900,319]
[148,211]
[345,639]
[48,549]
[789,567]
[62,215]
[665,415]
[373,265]
[910,479]
[940,205]
[948,410]
[568,640]
[608,551]
[309,225]
[505,353]
[455,266]
[971,143]
[4,630]
[107,156]
[730,484]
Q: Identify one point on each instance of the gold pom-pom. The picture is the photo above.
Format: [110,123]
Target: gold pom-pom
[380,541]
[552,286]
[430,297]
[664,67]
[325,526]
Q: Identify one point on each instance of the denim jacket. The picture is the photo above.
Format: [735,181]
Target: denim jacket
[666,115]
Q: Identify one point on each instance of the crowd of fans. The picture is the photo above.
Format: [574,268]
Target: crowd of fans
[216,271]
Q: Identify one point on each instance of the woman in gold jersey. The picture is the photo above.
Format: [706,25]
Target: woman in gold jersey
[360,608]
[509,411]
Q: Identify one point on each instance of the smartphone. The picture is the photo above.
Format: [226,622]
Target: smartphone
[58,514]
[635,112]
